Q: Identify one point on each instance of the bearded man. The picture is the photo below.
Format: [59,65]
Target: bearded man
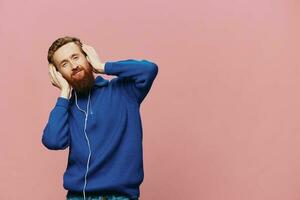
[98,119]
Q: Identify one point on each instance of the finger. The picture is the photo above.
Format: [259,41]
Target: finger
[84,45]
[51,79]
[52,71]
[50,65]
[85,48]
[54,84]
[91,49]
[58,76]
[61,78]
[50,76]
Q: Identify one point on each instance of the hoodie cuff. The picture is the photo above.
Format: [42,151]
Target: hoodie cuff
[108,68]
[61,101]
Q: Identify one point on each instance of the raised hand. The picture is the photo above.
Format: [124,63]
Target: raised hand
[93,58]
[59,81]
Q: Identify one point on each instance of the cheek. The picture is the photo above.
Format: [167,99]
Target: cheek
[85,62]
[66,74]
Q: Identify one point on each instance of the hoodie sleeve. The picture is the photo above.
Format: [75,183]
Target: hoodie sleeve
[139,75]
[56,132]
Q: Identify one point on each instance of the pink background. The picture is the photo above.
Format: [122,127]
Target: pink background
[222,121]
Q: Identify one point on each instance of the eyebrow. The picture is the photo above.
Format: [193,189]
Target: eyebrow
[64,60]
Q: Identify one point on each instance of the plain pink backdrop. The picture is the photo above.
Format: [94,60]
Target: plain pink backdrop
[221,122]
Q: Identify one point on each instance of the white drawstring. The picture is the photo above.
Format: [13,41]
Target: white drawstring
[90,152]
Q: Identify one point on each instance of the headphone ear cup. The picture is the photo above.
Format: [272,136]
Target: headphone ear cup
[88,59]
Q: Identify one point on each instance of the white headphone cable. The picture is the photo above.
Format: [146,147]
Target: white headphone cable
[85,122]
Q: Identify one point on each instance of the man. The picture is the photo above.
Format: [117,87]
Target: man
[99,120]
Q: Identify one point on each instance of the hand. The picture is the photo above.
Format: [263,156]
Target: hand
[93,58]
[59,81]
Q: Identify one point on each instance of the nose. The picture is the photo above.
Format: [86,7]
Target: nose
[74,64]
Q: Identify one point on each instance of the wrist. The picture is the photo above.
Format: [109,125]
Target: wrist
[65,93]
[100,68]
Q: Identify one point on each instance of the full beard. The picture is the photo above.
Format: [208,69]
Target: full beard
[83,84]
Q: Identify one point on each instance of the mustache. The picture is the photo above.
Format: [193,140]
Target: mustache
[78,69]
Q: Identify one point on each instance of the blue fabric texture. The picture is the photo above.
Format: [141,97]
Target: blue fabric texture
[113,128]
[95,197]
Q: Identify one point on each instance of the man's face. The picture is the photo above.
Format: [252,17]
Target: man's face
[74,67]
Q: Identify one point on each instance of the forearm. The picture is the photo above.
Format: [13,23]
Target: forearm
[137,76]
[140,71]
[56,132]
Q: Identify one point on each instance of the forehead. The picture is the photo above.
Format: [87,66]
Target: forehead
[65,51]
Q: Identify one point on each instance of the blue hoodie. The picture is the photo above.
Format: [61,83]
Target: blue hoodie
[103,131]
